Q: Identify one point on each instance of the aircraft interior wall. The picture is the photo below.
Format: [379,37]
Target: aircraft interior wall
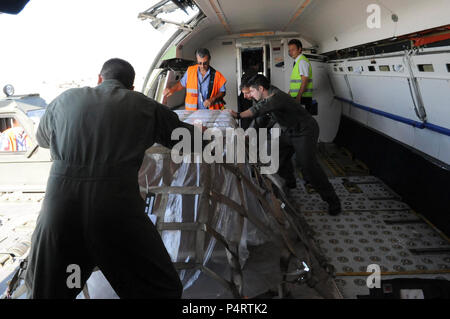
[384,98]
[382,84]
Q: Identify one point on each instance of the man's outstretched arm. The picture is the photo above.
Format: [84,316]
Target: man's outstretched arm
[177,87]
[246,114]
[169,91]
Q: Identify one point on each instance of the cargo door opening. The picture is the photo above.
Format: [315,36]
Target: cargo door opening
[253,59]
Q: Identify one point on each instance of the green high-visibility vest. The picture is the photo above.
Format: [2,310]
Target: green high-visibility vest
[296,80]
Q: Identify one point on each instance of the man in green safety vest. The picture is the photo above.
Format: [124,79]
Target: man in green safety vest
[301,84]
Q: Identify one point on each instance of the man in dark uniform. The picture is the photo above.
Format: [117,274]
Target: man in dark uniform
[93,214]
[264,121]
[299,135]
[244,101]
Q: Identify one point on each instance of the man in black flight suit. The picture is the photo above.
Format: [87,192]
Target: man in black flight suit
[299,135]
[93,214]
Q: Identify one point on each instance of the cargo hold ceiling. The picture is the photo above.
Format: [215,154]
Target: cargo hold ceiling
[331,24]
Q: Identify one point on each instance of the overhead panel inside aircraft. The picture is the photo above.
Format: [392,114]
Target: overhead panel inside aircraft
[331,24]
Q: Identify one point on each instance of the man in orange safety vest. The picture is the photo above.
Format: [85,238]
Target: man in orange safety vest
[205,87]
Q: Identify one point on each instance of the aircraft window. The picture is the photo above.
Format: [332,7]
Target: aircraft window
[341,69]
[350,69]
[385,68]
[13,137]
[448,67]
[425,67]
[335,69]
[371,68]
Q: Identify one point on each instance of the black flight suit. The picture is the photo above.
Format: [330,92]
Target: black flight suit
[93,214]
[299,135]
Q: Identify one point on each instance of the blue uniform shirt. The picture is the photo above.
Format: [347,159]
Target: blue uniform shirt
[203,85]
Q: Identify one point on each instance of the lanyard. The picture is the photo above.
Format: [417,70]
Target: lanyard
[201,82]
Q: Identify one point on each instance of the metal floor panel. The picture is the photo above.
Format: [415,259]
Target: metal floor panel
[366,193]
[375,227]
[354,240]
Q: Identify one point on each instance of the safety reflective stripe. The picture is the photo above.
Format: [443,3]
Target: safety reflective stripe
[191,88]
[191,107]
[296,80]
[219,81]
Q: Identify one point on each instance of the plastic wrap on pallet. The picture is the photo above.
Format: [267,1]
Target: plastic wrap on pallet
[158,170]
[209,118]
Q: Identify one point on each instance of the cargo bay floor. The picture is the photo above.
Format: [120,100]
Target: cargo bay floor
[375,227]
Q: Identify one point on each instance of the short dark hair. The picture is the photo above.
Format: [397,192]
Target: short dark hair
[120,70]
[202,52]
[259,80]
[244,81]
[296,42]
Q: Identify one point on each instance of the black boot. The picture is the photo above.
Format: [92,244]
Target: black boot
[334,207]
[291,184]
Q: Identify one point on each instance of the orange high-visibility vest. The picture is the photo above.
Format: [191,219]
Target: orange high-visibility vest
[192,89]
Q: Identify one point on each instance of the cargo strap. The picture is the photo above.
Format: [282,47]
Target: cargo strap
[275,210]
